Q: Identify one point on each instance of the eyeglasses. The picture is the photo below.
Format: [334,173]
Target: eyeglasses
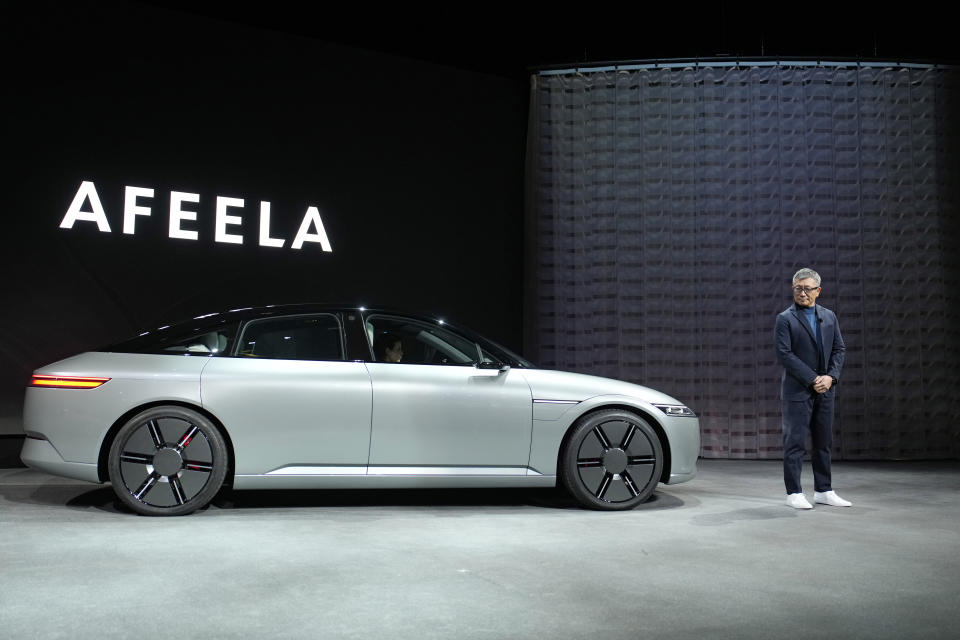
[806,290]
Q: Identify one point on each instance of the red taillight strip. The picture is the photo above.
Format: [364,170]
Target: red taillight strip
[66,382]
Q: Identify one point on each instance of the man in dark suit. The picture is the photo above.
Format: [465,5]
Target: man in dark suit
[811,350]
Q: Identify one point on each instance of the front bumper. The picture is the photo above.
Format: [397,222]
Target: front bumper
[684,436]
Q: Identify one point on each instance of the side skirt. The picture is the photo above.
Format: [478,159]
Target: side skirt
[394,477]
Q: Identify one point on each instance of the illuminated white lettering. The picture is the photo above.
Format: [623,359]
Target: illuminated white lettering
[265,239]
[131,209]
[86,192]
[223,219]
[178,215]
[312,219]
[136,202]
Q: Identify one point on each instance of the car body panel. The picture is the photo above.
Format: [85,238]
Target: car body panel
[282,413]
[561,398]
[682,433]
[76,421]
[449,416]
[548,385]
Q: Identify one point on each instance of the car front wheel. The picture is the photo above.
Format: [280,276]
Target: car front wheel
[167,461]
[612,460]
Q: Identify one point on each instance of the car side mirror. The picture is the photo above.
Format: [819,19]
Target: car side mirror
[493,365]
[481,364]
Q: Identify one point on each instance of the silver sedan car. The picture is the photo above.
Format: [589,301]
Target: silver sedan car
[313,396]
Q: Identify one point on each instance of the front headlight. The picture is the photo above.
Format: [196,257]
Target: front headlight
[676,410]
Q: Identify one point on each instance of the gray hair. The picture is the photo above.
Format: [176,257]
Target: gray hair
[805,273]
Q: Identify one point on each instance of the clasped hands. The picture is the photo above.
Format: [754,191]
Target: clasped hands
[822,383]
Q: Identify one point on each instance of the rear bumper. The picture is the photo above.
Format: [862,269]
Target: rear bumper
[41,455]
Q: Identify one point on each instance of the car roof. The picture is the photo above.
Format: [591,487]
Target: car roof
[207,321]
[210,321]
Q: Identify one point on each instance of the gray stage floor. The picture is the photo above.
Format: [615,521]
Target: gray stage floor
[719,557]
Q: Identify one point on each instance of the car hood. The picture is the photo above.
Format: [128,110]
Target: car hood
[566,386]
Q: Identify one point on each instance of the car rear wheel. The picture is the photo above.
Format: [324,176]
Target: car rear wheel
[167,461]
[612,460]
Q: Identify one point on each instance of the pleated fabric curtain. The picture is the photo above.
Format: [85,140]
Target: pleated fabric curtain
[668,209]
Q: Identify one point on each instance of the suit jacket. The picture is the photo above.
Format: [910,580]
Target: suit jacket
[796,346]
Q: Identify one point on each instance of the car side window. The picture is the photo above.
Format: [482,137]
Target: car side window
[187,340]
[307,337]
[209,343]
[415,342]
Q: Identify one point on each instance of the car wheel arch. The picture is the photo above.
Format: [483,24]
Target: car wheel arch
[646,415]
[102,458]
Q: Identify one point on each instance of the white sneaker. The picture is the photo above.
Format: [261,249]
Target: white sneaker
[831,498]
[798,501]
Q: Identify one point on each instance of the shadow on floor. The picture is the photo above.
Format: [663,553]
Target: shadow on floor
[740,515]
[103,498]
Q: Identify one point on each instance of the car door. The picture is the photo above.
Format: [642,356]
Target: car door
[436,413]
[290,402]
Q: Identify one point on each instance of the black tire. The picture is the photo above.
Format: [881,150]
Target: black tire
[612,460]
[167,461]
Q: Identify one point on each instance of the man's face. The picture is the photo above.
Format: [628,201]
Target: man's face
[394,353]
[805,292]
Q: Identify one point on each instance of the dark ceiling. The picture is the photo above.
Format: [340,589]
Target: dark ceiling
[508,39]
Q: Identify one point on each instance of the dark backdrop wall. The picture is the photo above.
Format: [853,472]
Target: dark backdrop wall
[670,207]
[416,171]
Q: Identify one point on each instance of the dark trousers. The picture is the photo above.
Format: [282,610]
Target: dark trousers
[813,415]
